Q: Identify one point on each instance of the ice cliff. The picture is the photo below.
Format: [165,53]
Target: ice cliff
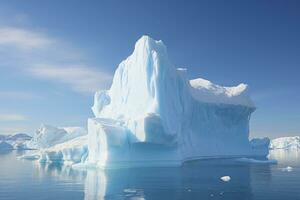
[153,114]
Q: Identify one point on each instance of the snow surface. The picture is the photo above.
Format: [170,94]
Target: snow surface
[292,143]
[206,91]
[47,136]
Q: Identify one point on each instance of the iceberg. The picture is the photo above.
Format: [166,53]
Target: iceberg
[288,143]
[17,141]
[69,153]
[154,115]
[260,145]
[47,136]
[18,136]
[67,145]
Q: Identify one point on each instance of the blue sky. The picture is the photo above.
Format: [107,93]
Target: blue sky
[55,54]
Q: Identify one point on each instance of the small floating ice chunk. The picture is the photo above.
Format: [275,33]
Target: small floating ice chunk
[129,190]
[225,178]
[252,160]
[287,169]
[29,157]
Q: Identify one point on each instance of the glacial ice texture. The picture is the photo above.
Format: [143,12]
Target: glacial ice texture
[153,114]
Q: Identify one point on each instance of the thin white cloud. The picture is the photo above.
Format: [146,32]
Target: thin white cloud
[18,95]
[23,39]
[12,130]
[12,117]
[54,53]
[29,55]
[80,78]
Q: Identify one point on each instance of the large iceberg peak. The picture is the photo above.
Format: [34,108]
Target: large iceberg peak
[139,84]
[146,45]
[144,84]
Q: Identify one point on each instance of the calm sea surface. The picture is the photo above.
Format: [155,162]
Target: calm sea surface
[21,179]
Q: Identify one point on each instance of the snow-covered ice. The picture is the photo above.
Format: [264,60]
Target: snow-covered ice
[66,145]
[47,136]
[206,91]
[291,143]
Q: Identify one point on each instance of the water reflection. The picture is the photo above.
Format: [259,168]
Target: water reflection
[286,157]
[95,185]
[59,171]
[5,151]
[198,180]
[195,180]
[21,179]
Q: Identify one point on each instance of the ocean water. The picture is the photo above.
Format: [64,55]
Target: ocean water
[23,179]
